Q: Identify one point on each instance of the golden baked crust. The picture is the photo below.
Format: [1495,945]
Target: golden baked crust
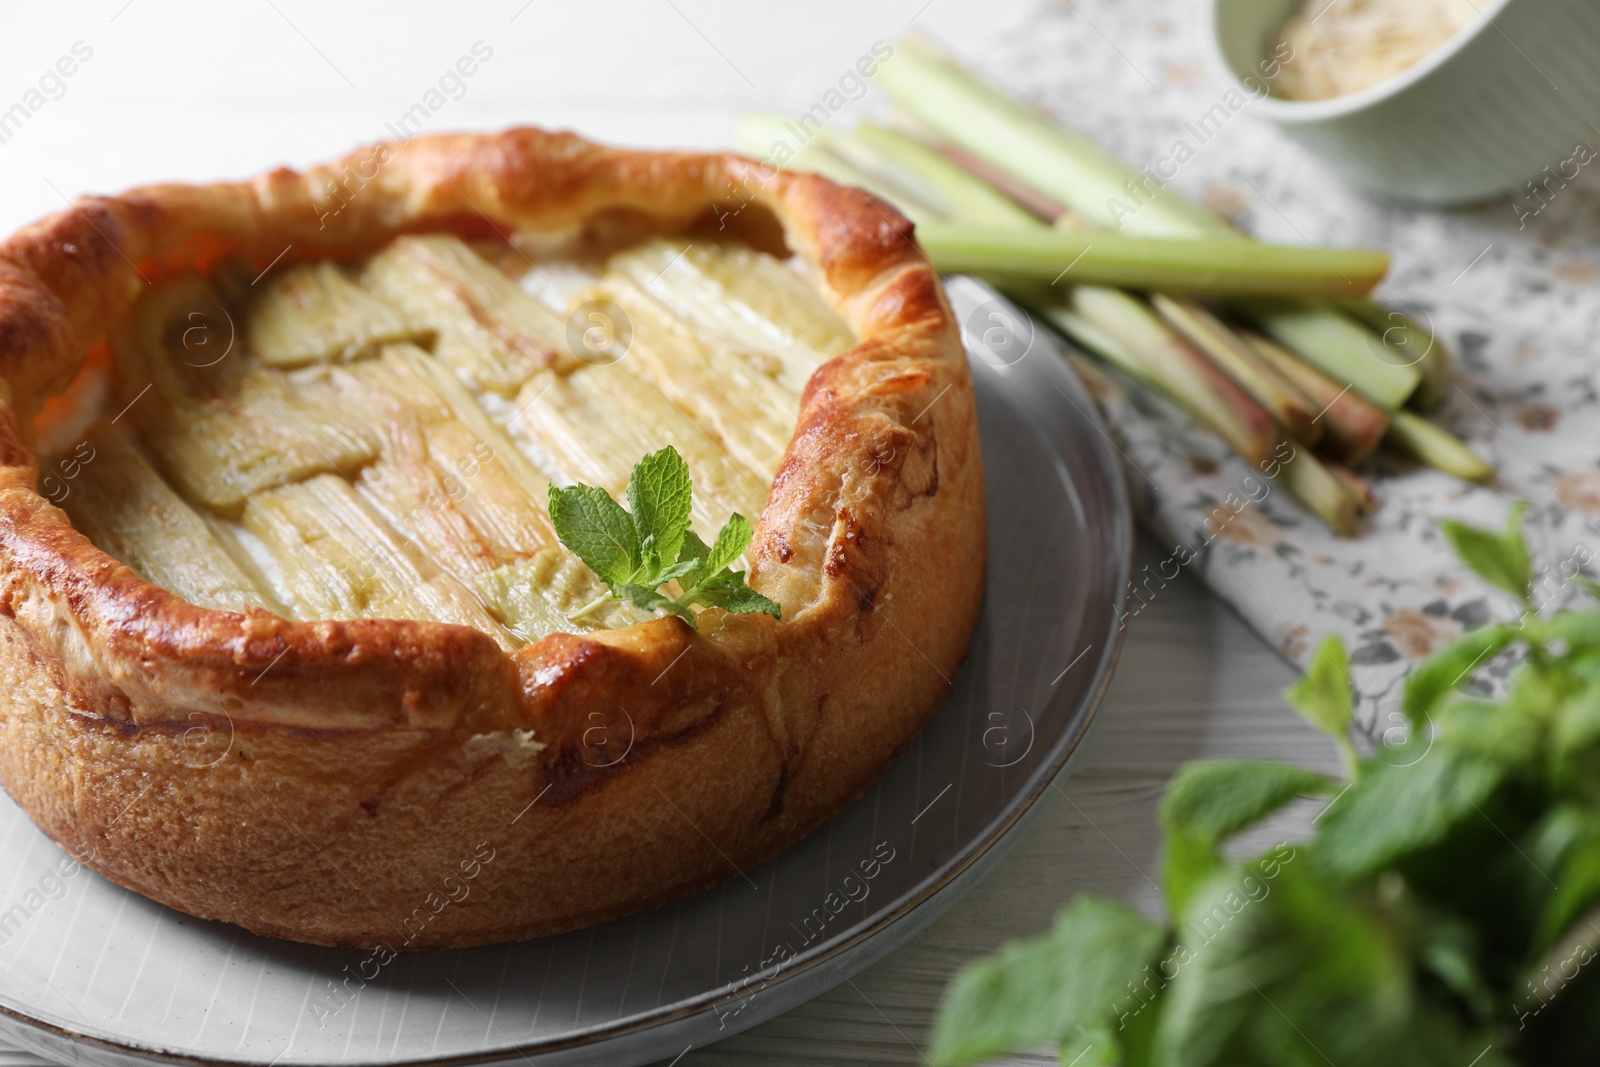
[342,782]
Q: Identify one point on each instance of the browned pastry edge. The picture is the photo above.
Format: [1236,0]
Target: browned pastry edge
[364,782]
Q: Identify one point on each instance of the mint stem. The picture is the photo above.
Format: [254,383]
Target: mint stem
[589,607]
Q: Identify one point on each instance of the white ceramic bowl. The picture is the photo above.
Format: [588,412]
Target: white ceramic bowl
[1514,93]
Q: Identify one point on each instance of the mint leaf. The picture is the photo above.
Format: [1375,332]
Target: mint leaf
[1501,559]
[1448,950]
[1579,629]
[659,495]
[1322,695]
[636,553]
[1301,973]
[1514,734]
[732,540]
[1441,675]
[1093,1046]
[684,569]
[1397,809]
[729,592]
[693,548]
[1575,870]
[709,562]
[692,556]
[597,530]
[711,583]
[1050,988]
[1209,802]
[647,598]
[1577,725]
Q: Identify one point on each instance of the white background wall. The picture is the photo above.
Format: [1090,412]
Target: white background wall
[181,89]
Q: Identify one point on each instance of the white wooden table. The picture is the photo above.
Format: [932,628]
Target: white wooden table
[182,90]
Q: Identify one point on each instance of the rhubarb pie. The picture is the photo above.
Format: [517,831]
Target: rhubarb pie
[288,636]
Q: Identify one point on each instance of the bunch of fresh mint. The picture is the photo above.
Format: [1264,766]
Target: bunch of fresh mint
[637,550]
[1446,911]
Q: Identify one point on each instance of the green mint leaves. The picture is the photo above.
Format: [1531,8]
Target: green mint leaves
[1501,559]
[1322,697]
[1442,909]
[1056,989]
[637,550]
[1209,802]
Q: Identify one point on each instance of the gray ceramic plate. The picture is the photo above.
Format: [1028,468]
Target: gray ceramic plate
[94,974]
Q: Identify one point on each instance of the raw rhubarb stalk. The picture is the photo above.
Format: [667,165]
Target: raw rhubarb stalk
[1330,497]
[1067,167]
[1412,344]
[965,197]
[1352,425]
[1359,486]
[1096,257]
[1285,403]
[1422,440]
[1336,344]
[1123,338]
[1124,331]
[1036,202]
[757,134]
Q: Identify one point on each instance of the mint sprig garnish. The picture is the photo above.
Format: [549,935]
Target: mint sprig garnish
[637,550]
